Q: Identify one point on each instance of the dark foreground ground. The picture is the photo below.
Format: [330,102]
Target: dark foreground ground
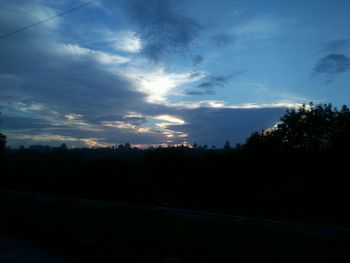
[46,228]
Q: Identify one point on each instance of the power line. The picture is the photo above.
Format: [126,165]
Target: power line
[47,19]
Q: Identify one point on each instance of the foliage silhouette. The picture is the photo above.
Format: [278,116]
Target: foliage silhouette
[227,146]
[309,128]
[2,144]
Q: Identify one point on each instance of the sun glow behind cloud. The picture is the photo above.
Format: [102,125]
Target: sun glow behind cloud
[159,84]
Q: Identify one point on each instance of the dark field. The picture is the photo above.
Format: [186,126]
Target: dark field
[84,231]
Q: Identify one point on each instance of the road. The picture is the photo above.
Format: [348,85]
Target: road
[191,215]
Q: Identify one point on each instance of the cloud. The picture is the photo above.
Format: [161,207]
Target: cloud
[126,126]
[26,131]
[54,91]
[334,63]
[53,139]
[134,117]
[161,27]
[208,86]
[125,41]
[56,87]
[73,116]
[221,40]
[158,84]
[99,56]
[212,126]
[128,42]
[168,120]
[209,122]
[202,91]
[68,78]
[197,59]
[331,65]
[211,83]
[260,28]
[18,123]
[26,13]
[217,104]
[335,45]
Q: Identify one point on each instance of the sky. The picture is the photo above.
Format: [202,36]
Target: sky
[152,72]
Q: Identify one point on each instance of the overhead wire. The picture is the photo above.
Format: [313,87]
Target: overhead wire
[47,19]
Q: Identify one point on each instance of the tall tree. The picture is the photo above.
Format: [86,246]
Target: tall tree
[227,146]
[310,127]
[2,143]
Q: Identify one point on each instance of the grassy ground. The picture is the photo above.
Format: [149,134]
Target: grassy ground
[124,234]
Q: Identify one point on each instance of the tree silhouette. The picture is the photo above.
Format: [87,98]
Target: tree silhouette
[227,146]
[127,146]
[2,143]
[63,147]
[310,127]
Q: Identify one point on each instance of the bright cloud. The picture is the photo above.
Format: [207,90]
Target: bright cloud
[126,126]
[159,84]
[170,119]
[49,138]
[127,41]
[133,115]
[224,105]
[262,28]
[73,116]
[99,56]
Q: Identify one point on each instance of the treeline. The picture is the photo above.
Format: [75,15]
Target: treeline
[297,170]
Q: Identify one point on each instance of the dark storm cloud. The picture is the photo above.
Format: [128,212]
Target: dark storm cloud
[222,39]
[162,27]
[213,126]
[211,83]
